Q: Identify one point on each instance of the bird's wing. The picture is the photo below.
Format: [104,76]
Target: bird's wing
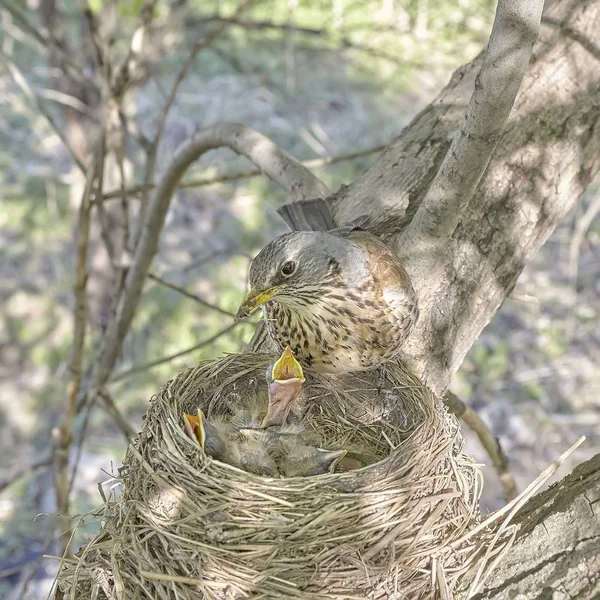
[382,262]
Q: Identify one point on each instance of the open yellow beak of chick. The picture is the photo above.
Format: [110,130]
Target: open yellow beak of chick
[285,386]
[194,427]
[287,368]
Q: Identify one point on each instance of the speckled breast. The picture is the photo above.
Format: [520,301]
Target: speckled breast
[336,338]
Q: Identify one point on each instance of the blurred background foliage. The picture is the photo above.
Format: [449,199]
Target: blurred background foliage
[323,79]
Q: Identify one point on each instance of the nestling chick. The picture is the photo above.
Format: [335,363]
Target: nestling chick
[284,381]
[304,461]
[284,387]
[224,443]
[291,446]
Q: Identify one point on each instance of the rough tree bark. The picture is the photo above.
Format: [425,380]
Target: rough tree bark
[557,551]
[548,154]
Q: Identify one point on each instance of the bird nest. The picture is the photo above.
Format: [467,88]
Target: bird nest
[188,526]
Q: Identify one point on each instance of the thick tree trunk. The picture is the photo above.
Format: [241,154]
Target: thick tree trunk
[547,156]
[557,551]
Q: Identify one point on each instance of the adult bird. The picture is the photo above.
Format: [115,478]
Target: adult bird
[340,299]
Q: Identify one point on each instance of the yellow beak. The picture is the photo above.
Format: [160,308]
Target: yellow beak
[254,298]
[194,427]
[287,368]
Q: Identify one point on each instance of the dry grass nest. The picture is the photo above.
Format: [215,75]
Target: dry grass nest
[187,526]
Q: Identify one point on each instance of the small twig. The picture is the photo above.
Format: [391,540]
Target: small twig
[525,298]
[29,569]
[288,28]
[489,442]
[153,152]
[63,434]
[203,181]
[20,80]
[189,295]
[166,359]
[581,228]
[514,33]
[45,41]
[119,420]
[44,461]
[79,449]
[123,76]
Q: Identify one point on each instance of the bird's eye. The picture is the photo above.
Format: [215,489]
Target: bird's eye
[288,268]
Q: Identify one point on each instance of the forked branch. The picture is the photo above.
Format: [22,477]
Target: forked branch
[514,33]
[272,160]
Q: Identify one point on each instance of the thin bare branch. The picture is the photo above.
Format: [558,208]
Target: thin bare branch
[119,420]
[126,71]
[581,228]
[183,72]
[189,295]
[44,461]
[20,80]
[276,163]
[46,41]
[313,163]
[63,434]
[166,359]
[489,442]
[333,37]
[514,33]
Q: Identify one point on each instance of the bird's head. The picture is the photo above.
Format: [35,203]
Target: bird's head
[294,268]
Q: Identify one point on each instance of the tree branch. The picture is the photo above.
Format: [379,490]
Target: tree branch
[275,163]
[119,420]
[46,460]
[557,547]
[166,359]
[63,434]
[124,74]
[313,163]
[513,35]
[189,295]
[20,80]
[548,155]
[46,41]
[489,442]
[153,151]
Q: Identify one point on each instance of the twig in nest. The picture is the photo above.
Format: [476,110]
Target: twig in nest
[489,442]
[63,434]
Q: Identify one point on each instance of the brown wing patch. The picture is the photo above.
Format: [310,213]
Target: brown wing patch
[383,263]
